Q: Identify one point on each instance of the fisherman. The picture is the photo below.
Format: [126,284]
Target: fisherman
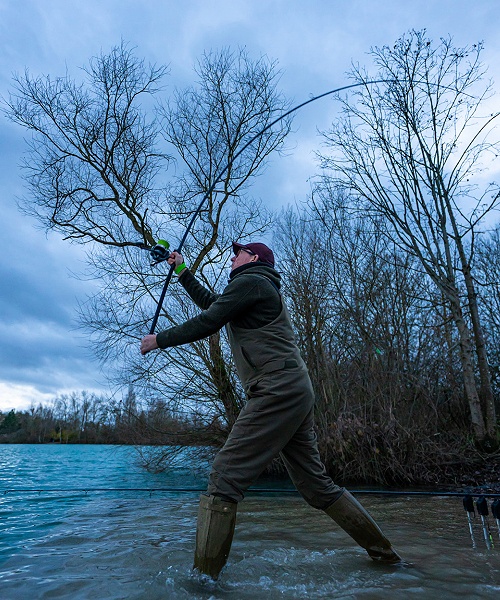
[278,417]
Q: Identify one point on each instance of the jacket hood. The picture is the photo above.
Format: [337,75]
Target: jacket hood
[260,268]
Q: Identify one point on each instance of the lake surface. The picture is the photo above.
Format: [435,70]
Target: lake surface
[137,545]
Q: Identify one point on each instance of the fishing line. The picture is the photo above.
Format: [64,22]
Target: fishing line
[219,176]
[250,491]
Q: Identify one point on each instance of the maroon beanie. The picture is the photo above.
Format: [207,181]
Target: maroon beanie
[265,254]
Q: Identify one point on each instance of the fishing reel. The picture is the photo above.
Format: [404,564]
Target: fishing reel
[159,253]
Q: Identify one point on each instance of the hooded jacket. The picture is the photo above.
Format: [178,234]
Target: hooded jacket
[248,302]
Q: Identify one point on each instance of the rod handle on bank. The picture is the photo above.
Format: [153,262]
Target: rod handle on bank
[495,509]
[469,504]
[482,506]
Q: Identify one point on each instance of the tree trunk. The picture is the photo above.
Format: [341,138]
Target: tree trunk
[486,392]
[222,381]
[471,394]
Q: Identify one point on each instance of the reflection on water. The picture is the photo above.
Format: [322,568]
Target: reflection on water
[133,546]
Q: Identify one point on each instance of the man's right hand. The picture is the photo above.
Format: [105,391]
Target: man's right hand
[177,259]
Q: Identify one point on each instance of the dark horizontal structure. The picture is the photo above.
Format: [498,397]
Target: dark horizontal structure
[252,491]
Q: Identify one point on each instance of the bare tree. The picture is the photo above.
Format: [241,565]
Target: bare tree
[307,285]
[408,149]
[97,172]
[93,158]
[235,98]
[374,332]
[487,274]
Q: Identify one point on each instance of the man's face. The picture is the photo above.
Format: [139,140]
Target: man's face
[242,257]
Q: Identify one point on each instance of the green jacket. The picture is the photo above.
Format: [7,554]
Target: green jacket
[248,302]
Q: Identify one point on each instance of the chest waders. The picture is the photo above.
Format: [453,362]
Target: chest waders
[276,419]
[256,353]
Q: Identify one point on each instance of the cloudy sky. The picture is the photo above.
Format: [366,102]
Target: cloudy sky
[41,354]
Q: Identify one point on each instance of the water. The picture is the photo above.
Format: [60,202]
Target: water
[133,546]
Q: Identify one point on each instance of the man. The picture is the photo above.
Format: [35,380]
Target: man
[278,415]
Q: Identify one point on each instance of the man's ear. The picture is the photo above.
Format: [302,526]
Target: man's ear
[255,258]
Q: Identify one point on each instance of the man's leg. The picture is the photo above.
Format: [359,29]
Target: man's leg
[357,522]
[308,473]
[276,408]
[214,534]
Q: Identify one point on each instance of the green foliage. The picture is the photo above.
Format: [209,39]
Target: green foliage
[10,423]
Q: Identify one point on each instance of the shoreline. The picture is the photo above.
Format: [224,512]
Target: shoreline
[480,476]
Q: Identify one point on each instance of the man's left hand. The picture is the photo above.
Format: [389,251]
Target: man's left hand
[148,343]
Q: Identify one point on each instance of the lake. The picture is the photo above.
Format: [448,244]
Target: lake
[136,545]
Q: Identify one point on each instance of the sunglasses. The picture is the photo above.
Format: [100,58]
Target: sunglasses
[245,250]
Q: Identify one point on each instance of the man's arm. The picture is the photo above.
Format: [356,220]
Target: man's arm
[202,297]
[238,298]
[192,330]
[237,304]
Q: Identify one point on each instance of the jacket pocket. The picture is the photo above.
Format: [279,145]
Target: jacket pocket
[247,358]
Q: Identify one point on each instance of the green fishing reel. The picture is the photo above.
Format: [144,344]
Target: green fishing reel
[159,252]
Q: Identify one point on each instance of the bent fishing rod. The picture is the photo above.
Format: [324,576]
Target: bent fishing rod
[160,251]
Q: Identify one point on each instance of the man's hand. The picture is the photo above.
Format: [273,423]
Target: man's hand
[148,343]
[177,259]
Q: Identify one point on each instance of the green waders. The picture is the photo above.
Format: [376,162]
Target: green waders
[214,534]
[277,419]
[355,520]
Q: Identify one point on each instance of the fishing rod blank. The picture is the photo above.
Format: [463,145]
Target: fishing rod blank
[469,508]
[482,509]
[222,172]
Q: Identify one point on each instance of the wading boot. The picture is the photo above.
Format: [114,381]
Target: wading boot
[214,534]
[354,520]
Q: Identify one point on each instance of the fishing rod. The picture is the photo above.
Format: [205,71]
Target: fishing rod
[159,252]
[469,509]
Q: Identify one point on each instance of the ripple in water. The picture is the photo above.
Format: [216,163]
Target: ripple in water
[132,546]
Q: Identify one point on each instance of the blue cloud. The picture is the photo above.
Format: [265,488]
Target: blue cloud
[314,42]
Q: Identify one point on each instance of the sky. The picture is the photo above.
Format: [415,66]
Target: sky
[42,353]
